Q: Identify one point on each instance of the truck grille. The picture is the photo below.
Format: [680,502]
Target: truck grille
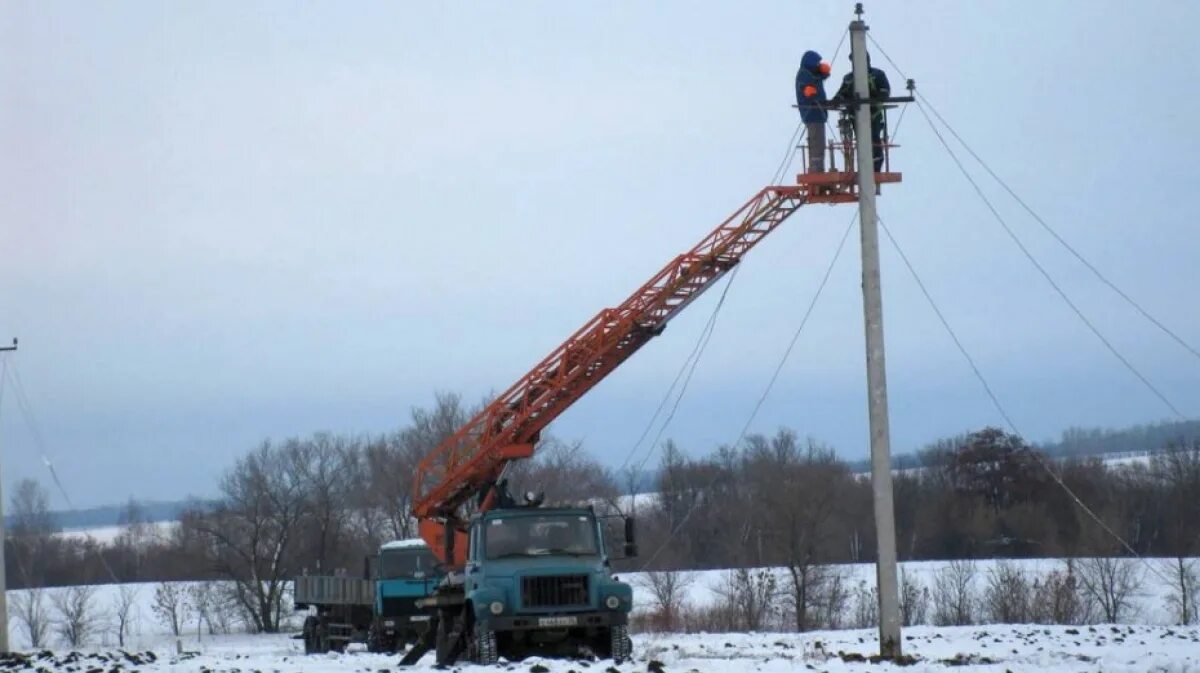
[398,607]
[554,591]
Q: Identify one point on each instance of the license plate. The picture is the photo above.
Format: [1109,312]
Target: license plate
[557,621]
[419,618]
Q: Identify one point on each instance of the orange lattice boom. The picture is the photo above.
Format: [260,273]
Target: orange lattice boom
[470,461]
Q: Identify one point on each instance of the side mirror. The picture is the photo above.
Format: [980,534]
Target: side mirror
[631,550]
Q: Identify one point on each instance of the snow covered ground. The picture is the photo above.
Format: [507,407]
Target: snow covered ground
[1150,644]
[968,649]
[107,534]
[1148,602]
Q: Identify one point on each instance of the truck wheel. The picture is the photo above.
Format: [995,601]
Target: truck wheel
[376,640]
[621,646]
[483,649]
[310,636]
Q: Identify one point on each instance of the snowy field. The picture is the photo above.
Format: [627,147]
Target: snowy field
[968,649]
[1148,643]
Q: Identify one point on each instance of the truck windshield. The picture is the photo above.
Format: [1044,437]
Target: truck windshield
[406,563]
[540,535]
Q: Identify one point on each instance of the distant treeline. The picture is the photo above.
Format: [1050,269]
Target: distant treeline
[1098,441]
[1078,442]
[322,503]
[154,511]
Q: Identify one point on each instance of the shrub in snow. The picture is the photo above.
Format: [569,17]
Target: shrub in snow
[30,613]
[75,620]
[668,591]
[1108,586]
[171,605]
[1056,598]
[914,599]
[751,593]
[1007,594]
[124,611]
[1185,589]
[866,606]
[954,598]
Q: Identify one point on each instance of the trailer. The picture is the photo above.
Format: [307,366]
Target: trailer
[380,608]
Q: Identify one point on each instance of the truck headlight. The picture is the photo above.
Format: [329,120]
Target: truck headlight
[612,602]
[496,607]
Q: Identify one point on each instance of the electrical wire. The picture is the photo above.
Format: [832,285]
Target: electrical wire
[766,391]
[1062,241]
[1012,426]
[1125,296]
[701,345]
[689,364]
[26,410]
[1046,274]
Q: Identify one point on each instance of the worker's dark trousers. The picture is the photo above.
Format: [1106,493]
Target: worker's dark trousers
[876,141]
[816,146]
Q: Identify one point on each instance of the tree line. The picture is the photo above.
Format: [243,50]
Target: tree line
[324,503]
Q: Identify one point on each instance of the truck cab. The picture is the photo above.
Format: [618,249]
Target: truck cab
[405,572]
[540,580]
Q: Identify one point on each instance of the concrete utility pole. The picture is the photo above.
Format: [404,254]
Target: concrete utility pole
[3,578]
[881,452]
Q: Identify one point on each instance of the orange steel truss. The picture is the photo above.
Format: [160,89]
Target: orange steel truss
[470,461]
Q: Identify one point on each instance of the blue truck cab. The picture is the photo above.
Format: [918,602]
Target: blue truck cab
[539,580]
[405,572]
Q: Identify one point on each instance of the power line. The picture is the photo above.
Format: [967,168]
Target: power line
[1012,426]
[766,391]
[1050,230]
[1045,225]
[1045,274]
[701,345]
[690,363]
[23,405]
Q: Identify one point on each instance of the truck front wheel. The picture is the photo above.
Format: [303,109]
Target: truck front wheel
[620,645]
[482,648]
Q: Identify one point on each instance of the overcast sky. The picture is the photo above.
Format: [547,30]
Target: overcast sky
[224,222]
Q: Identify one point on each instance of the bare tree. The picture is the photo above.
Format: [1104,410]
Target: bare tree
[76,620]
[914,599]
[836,598]
[124,611]
[31,533]
[328,471]
[1056,598]
[29,611]
[1006,595]
[171,605]
[1185,588]
[797,490]
[30,511]
[1109,585]
[202,596]
[250,534]
[954,594]
[866,606]
[751,593]
[669,592]
[564,473]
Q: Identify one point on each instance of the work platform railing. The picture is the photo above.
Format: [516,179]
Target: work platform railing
[840,185]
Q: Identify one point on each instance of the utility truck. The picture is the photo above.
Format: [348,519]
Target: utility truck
[380,608]
[521,578]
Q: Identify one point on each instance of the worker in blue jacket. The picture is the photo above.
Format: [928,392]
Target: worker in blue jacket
[810,99]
